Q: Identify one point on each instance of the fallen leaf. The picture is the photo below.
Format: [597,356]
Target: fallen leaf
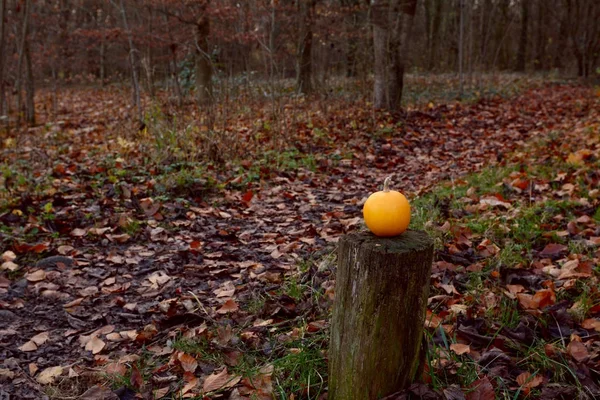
[460,348]
[191,383]
[553,250]
[9,256]
[136,378]
[48,375]
[9,266]
[221,380]
[95,345]
[188,362]
[28,346]
[40,338]
[591,323]
[78,232]
[36,276]
[527,382]
[578,351]
[482,389]
[229,306]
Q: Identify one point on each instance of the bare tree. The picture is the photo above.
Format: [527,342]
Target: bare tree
[522,52]
[3,55]
[303,81]
[25,58]
[392,22]
[204,90]
[132,62]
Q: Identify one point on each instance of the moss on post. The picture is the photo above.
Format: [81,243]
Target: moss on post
[382,286]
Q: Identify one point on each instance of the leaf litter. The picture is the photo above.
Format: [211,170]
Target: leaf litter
[219,285]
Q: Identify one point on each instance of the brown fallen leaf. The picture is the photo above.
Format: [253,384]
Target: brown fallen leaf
[591,323]
[98,392]
[78,232]
[229,306]
[578,351]
[460,348]
[8,256]
[482,389]
[40,338]
[527,382]
[9,266]
[36,276]
[136,378]
[33,368]
[188,362]
[191,382]
[553,250]
[48,375]
[220,380]
[28,346]
[95,345]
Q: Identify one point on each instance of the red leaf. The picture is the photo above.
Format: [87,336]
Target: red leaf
[247,196]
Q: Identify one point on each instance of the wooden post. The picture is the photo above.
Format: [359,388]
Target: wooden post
[381,292]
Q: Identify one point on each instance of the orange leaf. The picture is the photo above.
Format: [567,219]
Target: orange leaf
[527,382]
[229,306]
[188,362]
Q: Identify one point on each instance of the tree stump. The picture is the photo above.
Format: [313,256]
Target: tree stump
[381,291]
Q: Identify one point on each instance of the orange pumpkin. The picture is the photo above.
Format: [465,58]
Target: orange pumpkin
[387,213]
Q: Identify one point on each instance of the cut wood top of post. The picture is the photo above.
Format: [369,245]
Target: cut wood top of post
[409,241]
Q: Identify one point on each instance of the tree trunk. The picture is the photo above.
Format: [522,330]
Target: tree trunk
[563,35]
[461,35]
[204,90]
[435,33]
[382,285]
[134,73]
[2,56]
[29,88]
[102,59]
[522,53]
[304,62]
[540,46]
[392,23]
[21,50]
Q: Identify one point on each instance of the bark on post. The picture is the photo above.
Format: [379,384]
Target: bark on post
[382,286]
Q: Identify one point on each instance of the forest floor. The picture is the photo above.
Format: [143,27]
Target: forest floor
[195,258]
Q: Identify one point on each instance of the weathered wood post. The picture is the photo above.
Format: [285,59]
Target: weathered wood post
[381,291]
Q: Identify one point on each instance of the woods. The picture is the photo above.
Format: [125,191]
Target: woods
[84,41]
[300,199]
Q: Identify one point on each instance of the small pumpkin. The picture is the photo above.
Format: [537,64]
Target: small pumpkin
[387,212]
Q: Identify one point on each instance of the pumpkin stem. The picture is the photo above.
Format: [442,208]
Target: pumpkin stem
[386,184]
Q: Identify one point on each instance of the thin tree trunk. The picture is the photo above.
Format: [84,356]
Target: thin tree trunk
[304,78]
[435,33]
[2,56]
[21,51]
[134,75]
[563,34]
[204,90]
[461,5]
[540,52]
[102,60]
[522,53]
[173,61]
[29,88]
